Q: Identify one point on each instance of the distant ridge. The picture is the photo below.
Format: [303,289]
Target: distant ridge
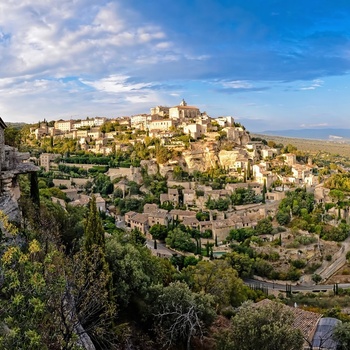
[316,134]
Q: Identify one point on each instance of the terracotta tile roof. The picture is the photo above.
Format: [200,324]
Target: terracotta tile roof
[140,218]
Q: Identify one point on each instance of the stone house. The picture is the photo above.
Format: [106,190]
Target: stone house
[150,207]
[195,130]
[94,133]
[191,222]
[301,172]
[321,194]
[255,186]
[261,175]
[177,214]
[160,111]
[275,195]
[161,124]
[205,225]
[46,158]
[225,121]
[290,158]
[216,194]
[100,203]
[139,221]
[172,197]
[159,216]
[71,193]
[64,125]
[268,153]
[82,199]
[189,197]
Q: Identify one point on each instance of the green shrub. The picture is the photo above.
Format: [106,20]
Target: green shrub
[299,263]
[312,268]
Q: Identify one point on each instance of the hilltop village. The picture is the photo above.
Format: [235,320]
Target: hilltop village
[183,141]
[209,166]
[200,192]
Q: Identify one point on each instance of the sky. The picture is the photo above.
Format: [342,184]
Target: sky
[270,64]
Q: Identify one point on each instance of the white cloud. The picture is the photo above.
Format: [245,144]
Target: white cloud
[315,84]
[313,125]
[72,37]
[236,84]
[116,84]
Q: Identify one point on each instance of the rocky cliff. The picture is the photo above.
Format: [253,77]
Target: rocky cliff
[12,164]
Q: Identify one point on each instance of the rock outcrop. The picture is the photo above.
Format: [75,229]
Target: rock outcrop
[12,163]
[228,159]
[201,157]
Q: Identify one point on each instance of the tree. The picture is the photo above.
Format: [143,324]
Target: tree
[242,263]
[316,278]
[241,234]
[341,334]
[159,231]
[134,269]
[264,327]
[219,279]
[89,294]
[282,217]
[264,227]
[94,232]
[264,192]
[181,240]
[49,301]
[180,313]
[12,137]
[91,271]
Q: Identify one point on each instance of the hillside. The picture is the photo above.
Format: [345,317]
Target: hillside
[314,134]
[331,147]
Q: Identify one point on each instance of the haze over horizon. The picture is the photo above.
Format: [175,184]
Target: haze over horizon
[271,66]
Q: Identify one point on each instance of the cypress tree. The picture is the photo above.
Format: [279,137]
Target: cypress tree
[248,171]
[34,188]
[264,192]
[94,233]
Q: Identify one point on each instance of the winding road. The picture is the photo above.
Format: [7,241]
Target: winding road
[294,288]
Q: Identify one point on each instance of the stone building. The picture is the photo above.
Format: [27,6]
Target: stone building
[46,158]
[182,111]
[160,110]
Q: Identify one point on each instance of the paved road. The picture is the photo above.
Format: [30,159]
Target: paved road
[300,288]
[338,263]
[161,250]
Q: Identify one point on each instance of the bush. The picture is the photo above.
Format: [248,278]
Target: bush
[293,274]
[316,278]
[299,263]
[306,240]
[312,268]
[348,255]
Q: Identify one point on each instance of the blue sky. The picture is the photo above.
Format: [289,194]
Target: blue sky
[270,64]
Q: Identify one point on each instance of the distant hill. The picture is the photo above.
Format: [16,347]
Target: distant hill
[18,125]
[316,134]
